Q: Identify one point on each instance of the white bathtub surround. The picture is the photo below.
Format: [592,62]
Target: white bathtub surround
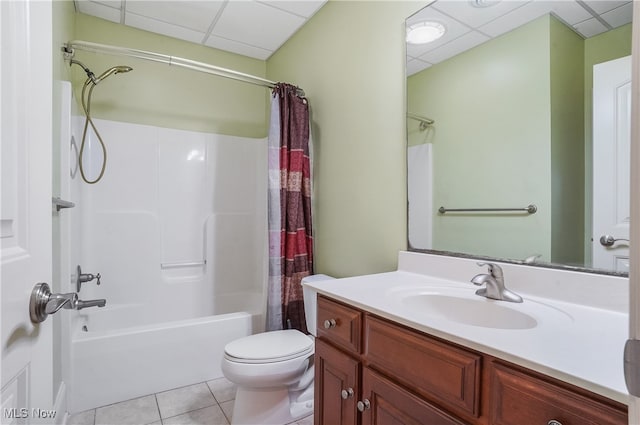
[177,230]
[177,225]
[581,320]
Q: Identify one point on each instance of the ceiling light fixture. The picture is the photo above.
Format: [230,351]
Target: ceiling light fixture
[425,32]
[484,3]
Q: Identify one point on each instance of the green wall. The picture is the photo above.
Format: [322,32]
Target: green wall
[350,61]
[567,145]
[165,96]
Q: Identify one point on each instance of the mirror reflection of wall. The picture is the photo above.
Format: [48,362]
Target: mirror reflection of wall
[512,128]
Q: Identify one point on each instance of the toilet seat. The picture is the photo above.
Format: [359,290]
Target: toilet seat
[269,347]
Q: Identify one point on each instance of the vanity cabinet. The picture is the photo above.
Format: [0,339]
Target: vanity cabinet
[520,397]
[366,369]
[370,370]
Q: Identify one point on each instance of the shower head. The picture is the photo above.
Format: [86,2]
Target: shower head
[114,70]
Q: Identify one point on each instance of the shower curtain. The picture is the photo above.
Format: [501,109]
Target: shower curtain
[290,236]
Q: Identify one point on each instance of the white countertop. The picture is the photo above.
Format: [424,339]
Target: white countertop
[577,343]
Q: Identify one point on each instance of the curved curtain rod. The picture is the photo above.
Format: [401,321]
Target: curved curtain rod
[70,47]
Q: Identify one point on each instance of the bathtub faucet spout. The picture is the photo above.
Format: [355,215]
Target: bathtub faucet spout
[90,303]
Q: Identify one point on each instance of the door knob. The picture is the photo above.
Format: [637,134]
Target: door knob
[42,302]
[608,240]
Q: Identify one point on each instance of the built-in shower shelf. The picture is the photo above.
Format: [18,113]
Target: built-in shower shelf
[183,264]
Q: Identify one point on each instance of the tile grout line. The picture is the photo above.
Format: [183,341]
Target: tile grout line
[155,397]
[219,403]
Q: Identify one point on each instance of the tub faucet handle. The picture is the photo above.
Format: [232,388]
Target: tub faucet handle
[85,277]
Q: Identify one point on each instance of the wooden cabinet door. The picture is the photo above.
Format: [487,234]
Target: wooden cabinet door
[335,372]
[521,397]
[390,404]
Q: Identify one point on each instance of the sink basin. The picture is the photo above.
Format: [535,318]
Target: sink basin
[470,311]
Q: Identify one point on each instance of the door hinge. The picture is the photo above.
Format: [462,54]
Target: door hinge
[632,366]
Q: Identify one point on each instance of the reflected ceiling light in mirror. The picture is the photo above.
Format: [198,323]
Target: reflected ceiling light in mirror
[484,3]
[425,32]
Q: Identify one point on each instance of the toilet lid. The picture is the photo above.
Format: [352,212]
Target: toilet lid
[269,346]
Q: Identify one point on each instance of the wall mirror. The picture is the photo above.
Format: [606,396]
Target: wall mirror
[518,123]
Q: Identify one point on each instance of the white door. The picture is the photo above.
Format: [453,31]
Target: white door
[25,208]
[611,145]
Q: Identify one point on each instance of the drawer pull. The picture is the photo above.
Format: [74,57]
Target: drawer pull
[330,323]
[554,422]
[348,393]
[366,405]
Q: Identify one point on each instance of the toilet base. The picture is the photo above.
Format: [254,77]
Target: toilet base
[271,406]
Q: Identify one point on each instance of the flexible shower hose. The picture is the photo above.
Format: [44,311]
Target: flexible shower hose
[87,111]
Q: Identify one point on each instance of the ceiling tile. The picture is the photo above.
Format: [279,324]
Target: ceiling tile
[195,15]
[239,48]
[256,24]
[159,27]
[619,16]
[455,47]
[590,27]
[99,10]
[516,18]
[116,4]
[416,65]
[454,30]
[473,16]
[301,8]
[603,6]
[569,11]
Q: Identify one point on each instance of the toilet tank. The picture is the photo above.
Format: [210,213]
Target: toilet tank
[311,300]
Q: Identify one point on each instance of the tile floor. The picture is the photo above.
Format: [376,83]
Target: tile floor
[207,403]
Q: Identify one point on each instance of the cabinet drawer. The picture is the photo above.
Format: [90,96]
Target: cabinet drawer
[340,324]
[522,398]
[391,404]
[447,375]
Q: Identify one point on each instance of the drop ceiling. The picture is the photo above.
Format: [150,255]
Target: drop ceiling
[249,28]
[469,26]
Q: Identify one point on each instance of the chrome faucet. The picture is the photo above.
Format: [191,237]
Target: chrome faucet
[90,303]
[85,277]
[494,285]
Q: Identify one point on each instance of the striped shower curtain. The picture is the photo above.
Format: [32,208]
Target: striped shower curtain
[290,237]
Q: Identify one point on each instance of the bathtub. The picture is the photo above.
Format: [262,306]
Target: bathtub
[177,229]
[113,365]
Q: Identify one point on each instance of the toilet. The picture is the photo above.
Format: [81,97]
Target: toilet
[273,371]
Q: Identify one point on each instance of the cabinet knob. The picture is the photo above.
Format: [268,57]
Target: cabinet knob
[366,405]
[348,393]
[330,323]
[553,422]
